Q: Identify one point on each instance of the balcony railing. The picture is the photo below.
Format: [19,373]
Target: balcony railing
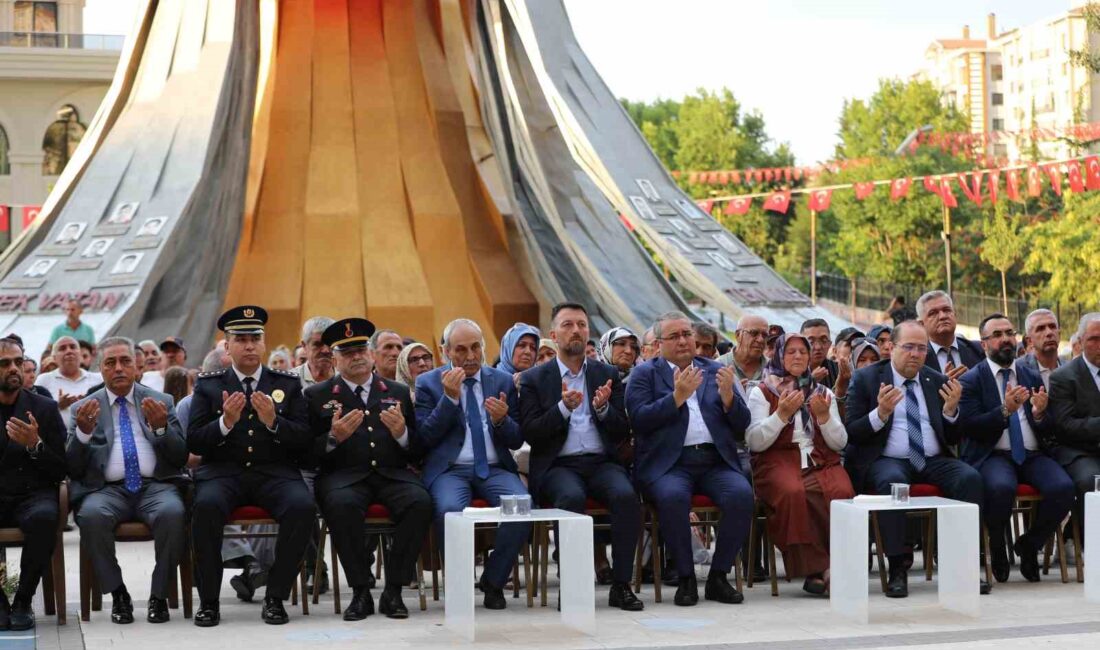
[62,41]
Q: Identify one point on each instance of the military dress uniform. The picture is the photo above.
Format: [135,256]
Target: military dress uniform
[369,467]
[248,464]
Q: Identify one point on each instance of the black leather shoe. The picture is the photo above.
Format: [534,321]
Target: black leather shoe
[719,588]
[22,614]
[158,610]
[669,577]
[898,584]
[622,597]
[361,605]
[494,596]
[1000,569]
[273,612]
[984,588]
[391,605]
[122,609]
[5,611]
[687,593]
[371,581]
[1029,560]
[251,579]
[208,614]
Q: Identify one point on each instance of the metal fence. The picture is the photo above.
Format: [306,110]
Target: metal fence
[62,41]
[970,308]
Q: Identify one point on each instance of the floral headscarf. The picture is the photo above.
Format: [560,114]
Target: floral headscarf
[778,380]
[608,340]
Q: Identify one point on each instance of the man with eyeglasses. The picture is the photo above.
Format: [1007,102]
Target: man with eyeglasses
[747,359]
[902,420]
[688,417]
[948,352]
[1006,434]
[835,374]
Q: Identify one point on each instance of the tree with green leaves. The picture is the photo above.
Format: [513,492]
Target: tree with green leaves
[1004,244]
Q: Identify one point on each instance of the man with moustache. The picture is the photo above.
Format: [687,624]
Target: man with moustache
[361,424]
[126,454]
[70,382]
[1041,327]
[318,364]
[466,416]
[747,359]
[386,346]
[948,352]
[572,415]
[249,424]
[1006,432]
[32,463]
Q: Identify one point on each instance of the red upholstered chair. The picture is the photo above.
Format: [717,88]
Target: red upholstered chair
[928,534]
[250,515]
[53,577]
[378,522]
[1024,511]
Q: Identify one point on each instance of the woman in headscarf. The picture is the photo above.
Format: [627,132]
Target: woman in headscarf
[864,353]
[619,347]
[547,351]
[795,437]
[518,348]
[414,360]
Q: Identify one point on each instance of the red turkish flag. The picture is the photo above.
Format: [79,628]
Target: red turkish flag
[946,195]
[932,184]
[1092,173]
[820,200]
[705,206]
[1012,184]
[5,222]
[778,202]
[899,187]
[739,205]
[693,177]
[863,190]
[994,181]
[973,191]
[1034,181]
[735,177]
[1055,174]
[30,213]
[757,175]
[1073,173]
[769,175]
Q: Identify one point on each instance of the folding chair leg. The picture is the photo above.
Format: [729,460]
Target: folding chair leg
[639,552]
[421,592]
[49,600]
[1078,553]
[527,575]
[85,585]
[305,594]
[771,563]
[752,549]
[879,553]
[173,591]
[1058,538]
[335,577]
[655,555]
[186,573]
[545,562]
[318,563]
[57,567]
[436,560]
[988,555]
[929,545]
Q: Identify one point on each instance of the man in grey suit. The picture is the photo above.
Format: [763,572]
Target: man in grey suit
[126,451]
[1041,327]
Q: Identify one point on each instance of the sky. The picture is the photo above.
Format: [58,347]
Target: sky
[795,61]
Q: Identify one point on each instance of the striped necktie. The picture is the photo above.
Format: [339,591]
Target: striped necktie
[912,423]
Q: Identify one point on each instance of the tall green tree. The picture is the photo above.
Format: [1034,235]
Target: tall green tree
[1003,246]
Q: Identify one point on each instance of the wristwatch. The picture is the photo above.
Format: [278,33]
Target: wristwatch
[1005,413]
[159,432]
[33,451]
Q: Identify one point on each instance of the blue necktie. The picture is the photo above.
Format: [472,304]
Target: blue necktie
[129,447]
[477,430]
[1015,431]
[912,423]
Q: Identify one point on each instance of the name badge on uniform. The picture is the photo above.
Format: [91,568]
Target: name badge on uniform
[331,404]
[278,395]
[390,401]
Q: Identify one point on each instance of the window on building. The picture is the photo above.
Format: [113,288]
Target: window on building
[997,72]
[61,140]
[998,124]
[37,21]
[998,99]
[5,163]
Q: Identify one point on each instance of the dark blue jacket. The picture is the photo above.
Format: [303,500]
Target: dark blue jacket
[980,419]
[441,424]
[660,427]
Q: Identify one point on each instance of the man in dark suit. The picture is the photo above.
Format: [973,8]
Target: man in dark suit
[572,415]
[32,463]
[1044,335]
[1006,432]
[1075,404]
[250,425]
[907,445]
[126,454]
[687,419]
[948,353]
[361,424]
[466,415]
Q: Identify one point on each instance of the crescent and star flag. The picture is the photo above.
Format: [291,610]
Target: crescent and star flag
[973,191]
[899,187]
[1092,173]
[705,206]
[994,181]
[778,202]
[1055,173]
[1073,174]
[820,199]
[740,205]
[932,185]
[1034,181]
[30,213]
[1012,184]
[863,190]
[946,195]
[5,224]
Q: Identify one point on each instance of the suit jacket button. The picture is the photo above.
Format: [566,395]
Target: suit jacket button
[372,444]
[374,463]
[250,432]
[250,450]
[248,464]
[370,429]
[250,416]
[366,412]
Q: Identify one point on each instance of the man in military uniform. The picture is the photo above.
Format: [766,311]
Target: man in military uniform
[249,424]
[361,423]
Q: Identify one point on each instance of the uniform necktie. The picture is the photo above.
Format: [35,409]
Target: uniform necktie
[477,430]
[248,391]
[359,394]
[1015,431]
[912,423]
[132,480]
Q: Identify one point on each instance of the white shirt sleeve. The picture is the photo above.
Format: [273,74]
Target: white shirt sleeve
[875,420]
[84,438]
[836,436]
[404,439]
[764,427]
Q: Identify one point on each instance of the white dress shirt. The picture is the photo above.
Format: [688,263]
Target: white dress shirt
[1031,443]
[765,427]
[897,444]
[55,382]
[466,454]
[583,437]
[116,464]
[697,431]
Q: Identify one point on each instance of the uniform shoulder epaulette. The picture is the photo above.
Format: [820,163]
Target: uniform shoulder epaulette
[285,373]
[212,373]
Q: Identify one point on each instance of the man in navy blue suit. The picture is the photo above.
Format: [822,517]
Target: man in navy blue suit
[902,420]
[466,416]
[1006,431]
[687,419]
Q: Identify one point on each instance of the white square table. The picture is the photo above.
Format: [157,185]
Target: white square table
[578,578]
[956,544]
[1092,531]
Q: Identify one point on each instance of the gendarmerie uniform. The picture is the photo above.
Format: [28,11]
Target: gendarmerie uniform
[249,464]
[369,467]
